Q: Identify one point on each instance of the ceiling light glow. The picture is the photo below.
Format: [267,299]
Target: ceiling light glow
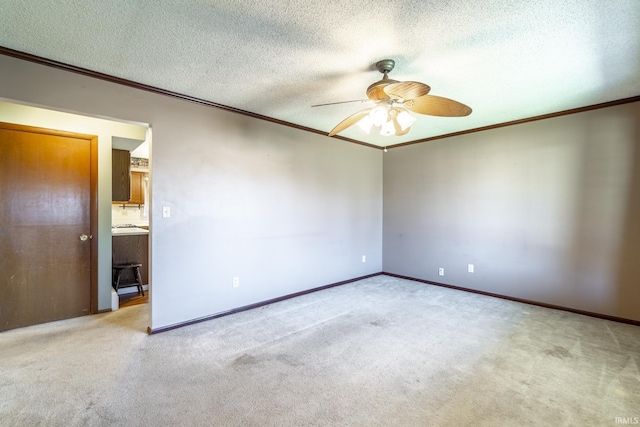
[380,114]
[388,129]
[405,120]
[392,119]
[366,123]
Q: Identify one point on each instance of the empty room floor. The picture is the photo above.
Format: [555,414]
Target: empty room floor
[378,352]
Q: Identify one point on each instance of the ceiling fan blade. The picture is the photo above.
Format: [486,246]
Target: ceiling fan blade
[407,90]
[437,106]
[342,102]
[352,119]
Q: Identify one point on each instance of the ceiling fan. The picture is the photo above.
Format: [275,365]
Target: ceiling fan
[394,100]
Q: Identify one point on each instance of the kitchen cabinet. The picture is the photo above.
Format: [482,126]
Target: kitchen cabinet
[127,186]
[131,249]
[137,188]
[120,175]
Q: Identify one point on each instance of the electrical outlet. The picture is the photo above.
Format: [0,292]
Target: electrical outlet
[236,282]
[441,271]
[470,268]
[166,212]
[364,258]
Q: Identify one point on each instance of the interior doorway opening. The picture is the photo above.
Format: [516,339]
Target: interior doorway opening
[130,221]
[106,129]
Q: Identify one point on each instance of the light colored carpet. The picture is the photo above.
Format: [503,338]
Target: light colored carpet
[378,352]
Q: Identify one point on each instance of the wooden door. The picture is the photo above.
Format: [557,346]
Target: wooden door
[48,196]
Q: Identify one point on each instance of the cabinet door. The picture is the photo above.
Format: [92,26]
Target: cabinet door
[137,188]
[120,163]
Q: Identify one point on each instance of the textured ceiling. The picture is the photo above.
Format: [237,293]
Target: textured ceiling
[508,59]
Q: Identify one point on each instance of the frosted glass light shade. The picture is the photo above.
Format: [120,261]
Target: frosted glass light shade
[365,123]
[389,118]
[388,129]
[380,114]
[405,120]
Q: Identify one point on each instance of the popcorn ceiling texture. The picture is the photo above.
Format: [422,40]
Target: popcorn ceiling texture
[508,60]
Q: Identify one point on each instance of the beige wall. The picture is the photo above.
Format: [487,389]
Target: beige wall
[282,209]
[547,211]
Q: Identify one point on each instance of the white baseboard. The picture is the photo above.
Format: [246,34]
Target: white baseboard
[115,301]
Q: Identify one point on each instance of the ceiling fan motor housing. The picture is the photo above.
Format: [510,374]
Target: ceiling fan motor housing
[385,65]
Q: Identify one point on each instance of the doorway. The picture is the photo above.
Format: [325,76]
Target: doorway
[130,216]
[48,225]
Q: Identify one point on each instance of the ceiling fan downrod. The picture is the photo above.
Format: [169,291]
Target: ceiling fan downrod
[375,91]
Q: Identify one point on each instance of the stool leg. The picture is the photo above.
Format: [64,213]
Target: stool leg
[117,279]
[139,280]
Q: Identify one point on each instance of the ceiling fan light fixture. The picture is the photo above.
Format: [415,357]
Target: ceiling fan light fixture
[389,119]
[380,114]
[405,120]
[388,129]
[366,123]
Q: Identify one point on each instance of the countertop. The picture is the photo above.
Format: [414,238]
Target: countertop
[130,231]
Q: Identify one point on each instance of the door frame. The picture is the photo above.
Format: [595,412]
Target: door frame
[93,198]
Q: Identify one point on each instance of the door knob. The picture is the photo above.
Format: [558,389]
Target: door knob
[84,237]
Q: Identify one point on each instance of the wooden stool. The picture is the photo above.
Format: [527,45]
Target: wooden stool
[137,279]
